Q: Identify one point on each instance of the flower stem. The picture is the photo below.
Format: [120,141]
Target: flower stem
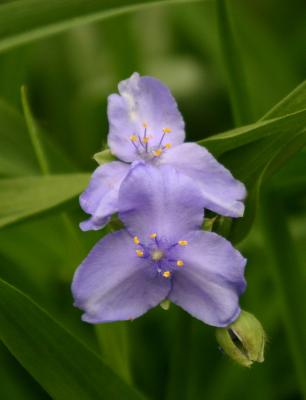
[179,356]
[234,71]
[113,341]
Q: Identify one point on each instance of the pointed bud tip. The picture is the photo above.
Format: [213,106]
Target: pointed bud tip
[243,340]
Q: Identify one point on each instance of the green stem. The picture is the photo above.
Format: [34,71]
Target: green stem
[235,76]
[113,341]
[288,280]
[180,353]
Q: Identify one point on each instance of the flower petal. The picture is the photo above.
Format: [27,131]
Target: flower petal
[100,199]
[142,100]
[209,284]
[159,200]
[113,284]
[222,193]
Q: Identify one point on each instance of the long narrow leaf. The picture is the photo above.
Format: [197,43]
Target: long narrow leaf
[24,197]
[24,21]
[63,366]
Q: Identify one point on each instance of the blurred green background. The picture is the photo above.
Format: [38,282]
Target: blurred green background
[166,354]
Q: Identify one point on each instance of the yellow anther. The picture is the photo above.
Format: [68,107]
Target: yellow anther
[157,152]
[146,139]
[166,274]
[136,240]
[153,235]
[133,138]
[167,130]
[145,125]
[139,253]
[183,242]
[168,145]
[180,263]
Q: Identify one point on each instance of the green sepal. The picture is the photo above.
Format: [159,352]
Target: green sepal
[244,340]
[104,157]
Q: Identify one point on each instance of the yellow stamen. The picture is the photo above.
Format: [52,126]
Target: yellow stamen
[153,235]
[145,125]
[183,242]
[157,152]
[166,274]
[180,263]
[133,138]
[136,239]
[167,130]
[168,145]
[146,139]
[139,253]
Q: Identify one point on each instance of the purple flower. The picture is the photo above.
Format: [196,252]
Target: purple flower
[162,254]
[145,124]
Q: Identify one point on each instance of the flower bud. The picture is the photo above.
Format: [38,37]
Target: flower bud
[243,340]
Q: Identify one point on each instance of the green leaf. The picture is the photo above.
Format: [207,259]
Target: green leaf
[286,116]
[288,280]
[62,365]
[114,343]
[24,21]
[16,154]
[291,181]
[254,152]
[295,101]
[12,372]
[17,157]
[24,197]
[104,156]
[233,66]
[266,159]
[34,133]
[236,138]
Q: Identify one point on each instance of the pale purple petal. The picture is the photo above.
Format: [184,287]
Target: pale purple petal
[113,284]
[100,199]
[210,282]
[142,100]
[159,200]
[221,192]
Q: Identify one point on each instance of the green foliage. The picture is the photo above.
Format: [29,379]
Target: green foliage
[104,156]
[218,58]
[256,151]
[27,196]
[21,22]
[59,362]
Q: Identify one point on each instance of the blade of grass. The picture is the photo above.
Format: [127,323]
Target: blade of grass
[288,281]
[113,338]
[26,197]
[35,136]
[233,66]
[63,366]
[24,21]
[114,344]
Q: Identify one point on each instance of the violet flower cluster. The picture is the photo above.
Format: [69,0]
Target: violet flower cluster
[159,189]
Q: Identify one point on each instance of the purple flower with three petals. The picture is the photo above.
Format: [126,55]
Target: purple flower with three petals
[162,254]
[145,124]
